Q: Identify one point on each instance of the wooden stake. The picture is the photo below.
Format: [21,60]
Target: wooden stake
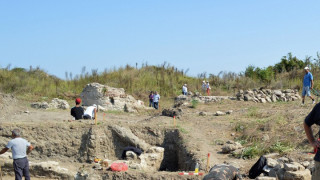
[95,116]
[174,121]
[208,162]
[0,173]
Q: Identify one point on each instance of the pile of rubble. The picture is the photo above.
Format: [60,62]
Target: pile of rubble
[177,112]
[232,147]
[185,100]
[281,168]
[109,98]
[268,95]
[287,169]
[55,104]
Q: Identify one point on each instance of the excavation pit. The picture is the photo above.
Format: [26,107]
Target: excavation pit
[61,150]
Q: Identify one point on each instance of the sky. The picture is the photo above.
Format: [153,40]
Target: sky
[203,36]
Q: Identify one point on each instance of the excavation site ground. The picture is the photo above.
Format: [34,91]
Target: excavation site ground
[66,149]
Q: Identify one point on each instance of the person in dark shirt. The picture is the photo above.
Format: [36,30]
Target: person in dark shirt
[313,118]
[151,99]
[77,111]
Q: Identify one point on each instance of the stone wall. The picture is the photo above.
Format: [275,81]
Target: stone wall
[268,95]
[109,98]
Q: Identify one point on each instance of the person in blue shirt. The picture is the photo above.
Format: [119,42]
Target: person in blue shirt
[307,85]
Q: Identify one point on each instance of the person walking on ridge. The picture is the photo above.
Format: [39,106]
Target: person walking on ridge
[307,85]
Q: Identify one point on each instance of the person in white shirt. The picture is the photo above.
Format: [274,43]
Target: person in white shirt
[156,99]
[20,148]
[184,89]
[204,87]
[90,112]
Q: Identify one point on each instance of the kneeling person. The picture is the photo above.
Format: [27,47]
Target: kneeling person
[77,111]
[90,112]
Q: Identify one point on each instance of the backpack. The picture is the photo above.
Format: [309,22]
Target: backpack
[257,168]
[119,167]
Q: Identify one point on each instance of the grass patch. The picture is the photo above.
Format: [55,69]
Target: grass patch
[239,127]
[250,152]
[258,149]
[252,112]
[281,147]
[194,103]
[281,120]
[182,130]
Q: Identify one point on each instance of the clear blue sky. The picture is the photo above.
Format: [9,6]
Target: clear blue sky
[204,36]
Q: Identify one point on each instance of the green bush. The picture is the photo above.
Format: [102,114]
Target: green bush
[194,103]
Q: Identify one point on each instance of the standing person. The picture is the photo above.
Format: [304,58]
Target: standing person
[208,88]
[77,111]
[90,112]
[20,149]
[313,118]
[156,99]
[184,89]
[307,85]
[151,99]
[204,87]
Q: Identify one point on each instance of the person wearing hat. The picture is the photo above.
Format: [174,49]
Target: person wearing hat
[77,111]
[307,85]
[90,112]
[184,89]
[204,87]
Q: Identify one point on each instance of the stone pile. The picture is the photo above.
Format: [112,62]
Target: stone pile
[59,104]
[55,104]
[148,161]
[172,112]
[286,169]
[109,98]
[220,113]
[185,100]
[231,147]
[268,95]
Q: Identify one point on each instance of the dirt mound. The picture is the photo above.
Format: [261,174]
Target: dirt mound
[8,105]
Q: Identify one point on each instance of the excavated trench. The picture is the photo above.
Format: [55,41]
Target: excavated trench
[176,155]
[81,143]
